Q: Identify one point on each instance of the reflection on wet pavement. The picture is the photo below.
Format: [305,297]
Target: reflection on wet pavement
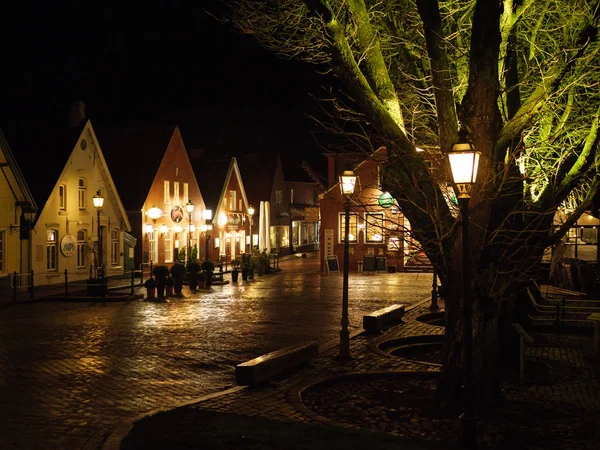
[71,370]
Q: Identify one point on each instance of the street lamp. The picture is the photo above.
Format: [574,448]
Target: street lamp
[98,201]
[347,185]
[251,214]
[189,207]
[464,162]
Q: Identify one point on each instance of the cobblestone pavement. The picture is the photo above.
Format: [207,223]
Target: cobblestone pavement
[559,406]
[71,371]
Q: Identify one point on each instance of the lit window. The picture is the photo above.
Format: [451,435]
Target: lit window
[167,192]
[51,253]
[278,197]
[169,246]
[394,244]
[62,197]
[185,193]
[82,193]
[153,237]
[176,192]
[374,227]
[232,201]
[81,249]
[353,233]
[115,252]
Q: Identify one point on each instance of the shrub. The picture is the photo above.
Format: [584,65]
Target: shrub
[235,264]
[193,267]
[161,272]
[177,270]
[208,266]
[170,281]
[150,283]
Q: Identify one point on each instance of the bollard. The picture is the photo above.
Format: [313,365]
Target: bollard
[141,274]
[15,286]
[31,290]
[66,285]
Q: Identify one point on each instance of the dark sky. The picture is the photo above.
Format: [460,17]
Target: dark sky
[160,62]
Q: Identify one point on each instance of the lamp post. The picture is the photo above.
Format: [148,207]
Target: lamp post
[464,162]
[347,184]
[189,207]
[251,214]
[98,201]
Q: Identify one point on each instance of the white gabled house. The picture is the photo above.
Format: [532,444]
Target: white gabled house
[17,212]
[65,237]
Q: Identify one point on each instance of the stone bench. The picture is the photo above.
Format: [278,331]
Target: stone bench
[374,321]
[265,367]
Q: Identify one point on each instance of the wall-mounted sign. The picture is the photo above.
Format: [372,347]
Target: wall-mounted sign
[68,245]
[386,200]
[177,214]
[311,214]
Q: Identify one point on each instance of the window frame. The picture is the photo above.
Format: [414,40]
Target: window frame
[52,251]
[342,230]
[232,200]
[81,249]
[153,246]
[278,196]
[168,250]
[167,192]
[176,192]
[186,193]
[2,250]
[115,250]
[81,194]
[369,225]
[62,197]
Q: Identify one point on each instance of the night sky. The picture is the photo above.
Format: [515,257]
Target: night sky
[160,63]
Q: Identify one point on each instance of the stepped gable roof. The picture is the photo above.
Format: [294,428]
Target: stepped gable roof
[211,174]
[42,155]
[134,155]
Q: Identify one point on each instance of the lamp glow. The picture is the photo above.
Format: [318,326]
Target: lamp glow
[192,228]
[348,182]
[189,207]
[98,200]
[207,214]
[148,228]
[164,228]
[251,210]
[464,163]
[154,213]
[222,219]
[178,228]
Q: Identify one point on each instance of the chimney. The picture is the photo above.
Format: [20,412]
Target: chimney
[77,113]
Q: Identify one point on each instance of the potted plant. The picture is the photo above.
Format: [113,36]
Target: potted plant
[161,273]
[235,270]
[208,268]
[193,269]
[245,265]
[169,286]
[150,285]
[178,272]
[201,279]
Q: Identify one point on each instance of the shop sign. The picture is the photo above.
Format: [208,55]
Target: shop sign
[311,214]
[177,214]
[386,200]
[68,245]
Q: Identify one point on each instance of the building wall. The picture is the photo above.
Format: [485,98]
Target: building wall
[11,256]
[230,239]
[364,202]
[174,168]
[64,218]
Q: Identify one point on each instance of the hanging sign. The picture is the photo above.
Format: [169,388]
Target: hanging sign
[386,200]
[68,245]
[177,214]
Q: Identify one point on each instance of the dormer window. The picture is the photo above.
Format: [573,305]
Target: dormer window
[62,197]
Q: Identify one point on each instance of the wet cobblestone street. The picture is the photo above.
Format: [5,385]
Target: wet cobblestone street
[70,371]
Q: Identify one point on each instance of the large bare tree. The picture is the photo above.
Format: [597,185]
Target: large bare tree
[521,76]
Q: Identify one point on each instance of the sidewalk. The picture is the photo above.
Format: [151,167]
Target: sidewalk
[380,400]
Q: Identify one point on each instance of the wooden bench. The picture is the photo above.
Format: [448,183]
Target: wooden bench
[374,321]
[525,338]
[265,367]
